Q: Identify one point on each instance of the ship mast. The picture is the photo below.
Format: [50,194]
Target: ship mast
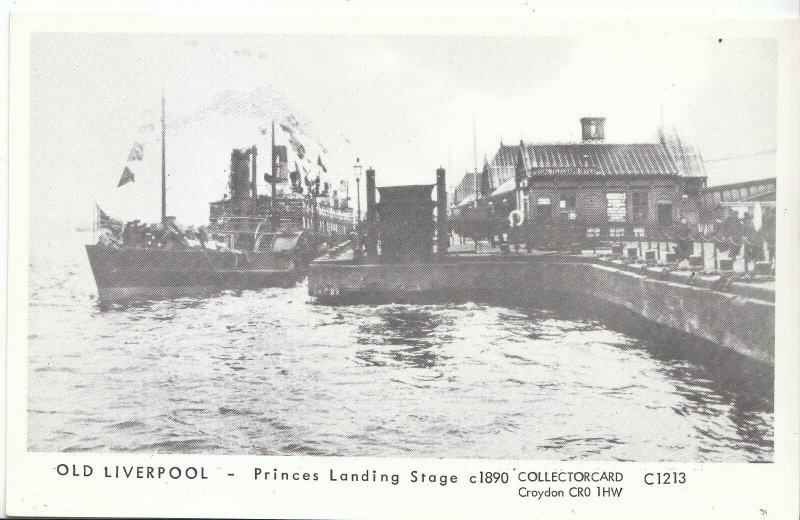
[272,154]
[163,162]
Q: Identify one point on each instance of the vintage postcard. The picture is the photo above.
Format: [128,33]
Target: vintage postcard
[402,267]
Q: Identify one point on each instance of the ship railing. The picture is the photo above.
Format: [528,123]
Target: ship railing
[328,213]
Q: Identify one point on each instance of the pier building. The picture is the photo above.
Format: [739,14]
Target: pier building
[556,194]
[393,258]
[495,185]
[722,201]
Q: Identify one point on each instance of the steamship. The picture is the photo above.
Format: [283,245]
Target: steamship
[252,240]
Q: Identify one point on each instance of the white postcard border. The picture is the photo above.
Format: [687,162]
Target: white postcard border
[714,491]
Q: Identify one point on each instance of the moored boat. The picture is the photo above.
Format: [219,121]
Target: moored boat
[251,241]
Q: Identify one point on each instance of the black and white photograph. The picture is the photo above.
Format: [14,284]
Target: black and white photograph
[393,246]
[403,245]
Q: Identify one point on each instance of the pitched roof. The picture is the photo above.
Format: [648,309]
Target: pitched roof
[507,187]
[598,158]
[503,165]
[506,156]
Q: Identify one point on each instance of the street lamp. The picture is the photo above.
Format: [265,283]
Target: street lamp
[357,170]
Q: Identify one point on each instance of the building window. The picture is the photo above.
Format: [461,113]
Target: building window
[616,232]
[543,209]
[615,207]
[592,232]
[665,213]
[639,203]
[591,207]
[638,232]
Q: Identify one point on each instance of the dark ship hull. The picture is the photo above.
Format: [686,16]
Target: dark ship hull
[135,274]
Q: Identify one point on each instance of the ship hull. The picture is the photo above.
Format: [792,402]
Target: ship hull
[133,274]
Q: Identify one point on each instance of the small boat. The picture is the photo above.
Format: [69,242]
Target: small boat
[130,271]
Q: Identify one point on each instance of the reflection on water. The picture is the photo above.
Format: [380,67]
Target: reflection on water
[414,330]
[271,372]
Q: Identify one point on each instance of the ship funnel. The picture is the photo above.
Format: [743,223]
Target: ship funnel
[240,174]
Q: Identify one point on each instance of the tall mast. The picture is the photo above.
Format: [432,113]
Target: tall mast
[475,155]
[272,154]
[163,161]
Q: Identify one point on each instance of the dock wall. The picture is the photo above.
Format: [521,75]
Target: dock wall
[743,324]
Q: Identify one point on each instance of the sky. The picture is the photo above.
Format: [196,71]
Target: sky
[404,105]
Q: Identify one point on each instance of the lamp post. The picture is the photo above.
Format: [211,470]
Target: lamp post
[357,171]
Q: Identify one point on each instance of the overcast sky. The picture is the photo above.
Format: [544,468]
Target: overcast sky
[403,104]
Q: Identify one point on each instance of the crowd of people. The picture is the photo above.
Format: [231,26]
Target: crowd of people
[163,236]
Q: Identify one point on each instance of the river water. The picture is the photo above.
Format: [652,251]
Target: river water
[271,372]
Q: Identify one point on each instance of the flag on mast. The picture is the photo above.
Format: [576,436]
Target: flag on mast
[127,176]
[104,221]
[137,152]
[297,146]
[136,155]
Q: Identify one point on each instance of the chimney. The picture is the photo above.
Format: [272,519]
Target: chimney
[593,129]
[240,174]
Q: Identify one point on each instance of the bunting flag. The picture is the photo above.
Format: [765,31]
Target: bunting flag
[297,146]
[294,179]
[127,176]
[103,221]
[319,163]
[137,152]
[135,157]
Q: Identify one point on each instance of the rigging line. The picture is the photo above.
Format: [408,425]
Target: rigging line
[741,156]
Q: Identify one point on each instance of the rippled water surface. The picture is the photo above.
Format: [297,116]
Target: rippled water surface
[270,372]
